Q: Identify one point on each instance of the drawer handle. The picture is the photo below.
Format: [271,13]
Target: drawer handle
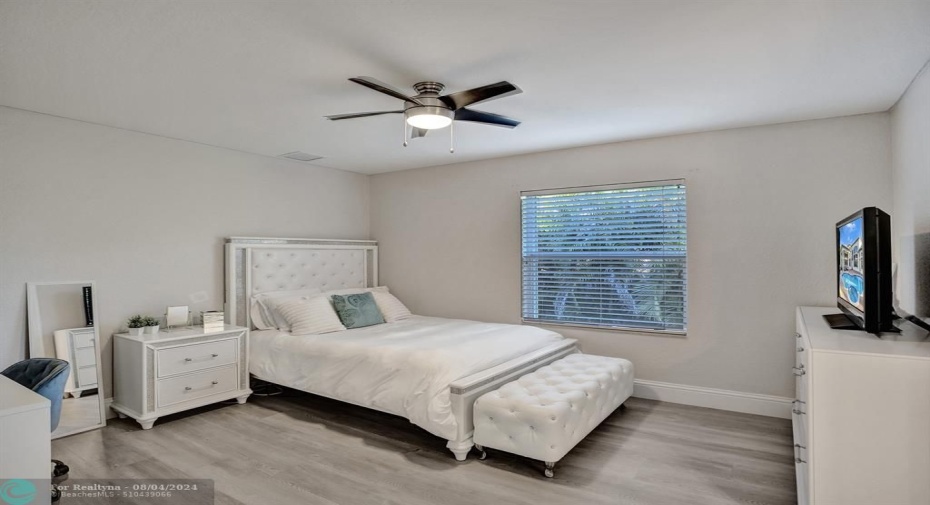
[799,446]
[799,371]
[188,388]
[797,335]
[214,355]
[802,402]
[799,460]
[798,412]
[800,349]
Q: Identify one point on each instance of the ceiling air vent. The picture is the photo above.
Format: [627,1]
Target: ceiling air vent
[299,156]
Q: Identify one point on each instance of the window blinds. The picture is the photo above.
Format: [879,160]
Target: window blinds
[606,256]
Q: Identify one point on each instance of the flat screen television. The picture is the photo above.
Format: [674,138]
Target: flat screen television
[863,272]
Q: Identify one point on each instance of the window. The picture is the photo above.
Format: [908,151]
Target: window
[606,256]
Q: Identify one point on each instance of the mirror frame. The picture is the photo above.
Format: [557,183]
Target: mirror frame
[36,335]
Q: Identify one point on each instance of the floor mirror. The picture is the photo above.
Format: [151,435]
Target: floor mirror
[62,325]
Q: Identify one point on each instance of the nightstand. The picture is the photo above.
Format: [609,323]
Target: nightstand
[168,372]
[78,347]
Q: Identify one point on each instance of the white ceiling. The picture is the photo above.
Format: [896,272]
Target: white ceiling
[258,76]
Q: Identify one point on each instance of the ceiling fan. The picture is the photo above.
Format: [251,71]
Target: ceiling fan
[427,110]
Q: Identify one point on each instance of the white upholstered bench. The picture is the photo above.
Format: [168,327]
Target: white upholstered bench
[544,414]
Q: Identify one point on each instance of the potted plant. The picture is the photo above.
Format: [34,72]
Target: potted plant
[151,325]
[136,323]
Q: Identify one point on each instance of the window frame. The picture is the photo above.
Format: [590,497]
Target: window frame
[605,187]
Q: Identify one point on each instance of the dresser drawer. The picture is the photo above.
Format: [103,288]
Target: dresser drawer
[196,385]
[194,357]
[87,377]
[83,339]
[802,366]
[801,454]
[801,350]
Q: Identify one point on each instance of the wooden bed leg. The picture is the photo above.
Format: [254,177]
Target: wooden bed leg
[460,448]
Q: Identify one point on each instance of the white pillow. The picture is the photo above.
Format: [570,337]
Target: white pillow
[268,303]
[260,320]
[391,308]
[310,315]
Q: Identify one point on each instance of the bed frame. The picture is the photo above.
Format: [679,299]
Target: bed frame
[262,265]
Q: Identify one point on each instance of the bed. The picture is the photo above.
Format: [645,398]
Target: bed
[428,370]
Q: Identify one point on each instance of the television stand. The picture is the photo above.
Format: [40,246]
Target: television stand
[840,322]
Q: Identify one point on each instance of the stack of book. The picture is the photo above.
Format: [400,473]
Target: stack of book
[212,320]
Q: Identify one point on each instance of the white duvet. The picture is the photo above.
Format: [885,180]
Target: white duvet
[404,367]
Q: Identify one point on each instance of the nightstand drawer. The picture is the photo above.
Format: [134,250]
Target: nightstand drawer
[83,339]
[196,385]
[191,358]
[87,377]
[85,356]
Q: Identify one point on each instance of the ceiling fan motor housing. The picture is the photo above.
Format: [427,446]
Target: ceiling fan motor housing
[428,95]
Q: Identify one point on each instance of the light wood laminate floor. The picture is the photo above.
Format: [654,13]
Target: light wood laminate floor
[303,449]
[78,413]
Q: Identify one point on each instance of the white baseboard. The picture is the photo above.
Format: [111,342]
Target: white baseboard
[110,412]
[722,399]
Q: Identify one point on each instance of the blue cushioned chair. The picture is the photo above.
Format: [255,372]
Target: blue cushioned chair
[47,377]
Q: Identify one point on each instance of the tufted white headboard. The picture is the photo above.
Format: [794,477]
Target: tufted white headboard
[262,265]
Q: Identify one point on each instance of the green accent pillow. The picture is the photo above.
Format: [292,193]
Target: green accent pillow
[357,310]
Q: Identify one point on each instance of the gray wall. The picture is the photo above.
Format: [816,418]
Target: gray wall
[910,122]
[144,216]
[762,206]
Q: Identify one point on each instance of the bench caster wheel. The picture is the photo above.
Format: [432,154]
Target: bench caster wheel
[482,454]
[550,465]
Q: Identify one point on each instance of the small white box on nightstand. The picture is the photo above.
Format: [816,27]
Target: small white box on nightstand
[213,320]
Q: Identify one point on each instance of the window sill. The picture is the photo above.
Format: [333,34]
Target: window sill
[612,329]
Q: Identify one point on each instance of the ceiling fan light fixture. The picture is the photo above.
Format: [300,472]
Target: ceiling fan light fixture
[429,117]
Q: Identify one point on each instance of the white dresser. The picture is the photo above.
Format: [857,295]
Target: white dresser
[168,372]
[25,438]
[77,346]
[862,415]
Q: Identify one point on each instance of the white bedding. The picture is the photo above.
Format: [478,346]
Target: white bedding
[403,368]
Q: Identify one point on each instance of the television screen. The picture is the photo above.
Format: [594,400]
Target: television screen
[852,263]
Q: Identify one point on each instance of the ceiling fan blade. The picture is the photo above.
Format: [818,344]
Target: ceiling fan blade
[485,118]
[377,85]
[476,95]
[418,132]
[337,117]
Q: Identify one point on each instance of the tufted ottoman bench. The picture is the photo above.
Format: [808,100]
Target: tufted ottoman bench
[544,414]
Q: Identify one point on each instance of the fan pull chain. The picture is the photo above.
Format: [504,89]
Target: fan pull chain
[405,131]
[452,137]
